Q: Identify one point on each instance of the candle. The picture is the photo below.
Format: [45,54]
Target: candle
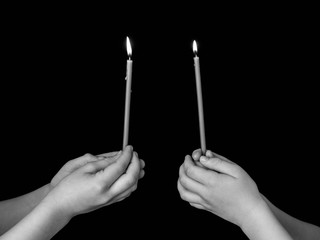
[199,97]
[128,95]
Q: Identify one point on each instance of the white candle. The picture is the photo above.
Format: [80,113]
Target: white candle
[128,96]
[199,96]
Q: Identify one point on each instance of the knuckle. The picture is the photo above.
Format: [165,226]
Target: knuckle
[88,156]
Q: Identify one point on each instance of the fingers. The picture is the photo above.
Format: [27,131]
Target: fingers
[187,195]
[196,154]
[128,182]
[128,179]
[142,172]
[189,183]
[124,194]
[199,174]
[117,168]
[80,161]
[142,164]
[210,154]
[220,165]
[110,154]
[97,166]
[199,206]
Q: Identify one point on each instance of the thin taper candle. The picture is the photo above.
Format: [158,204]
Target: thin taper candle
[199,97]
[128,96]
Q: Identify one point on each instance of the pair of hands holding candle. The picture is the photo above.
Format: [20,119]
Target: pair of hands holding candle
[82,185]
[214,183]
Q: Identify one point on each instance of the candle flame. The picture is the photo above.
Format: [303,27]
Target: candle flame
[195,47]
[129,50]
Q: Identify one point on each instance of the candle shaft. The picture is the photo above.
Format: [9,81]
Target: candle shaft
[127,104]
[200,104]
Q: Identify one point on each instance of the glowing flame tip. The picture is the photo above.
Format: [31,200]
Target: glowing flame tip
[194,46]
[129,50]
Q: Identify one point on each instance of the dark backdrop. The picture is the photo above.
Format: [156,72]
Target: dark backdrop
[63,92]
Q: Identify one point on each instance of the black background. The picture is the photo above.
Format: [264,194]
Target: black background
[63,92]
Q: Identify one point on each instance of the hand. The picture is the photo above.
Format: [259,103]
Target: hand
[97,184]
[74,164]
[220,186]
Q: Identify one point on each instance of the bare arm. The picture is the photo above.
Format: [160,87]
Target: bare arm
[13,210]
[261,224]
[299,230]
[41,224]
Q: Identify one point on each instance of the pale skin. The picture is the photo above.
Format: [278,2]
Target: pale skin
[82,185]
[220,186]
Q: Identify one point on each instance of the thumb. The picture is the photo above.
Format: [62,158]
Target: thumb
[220,165]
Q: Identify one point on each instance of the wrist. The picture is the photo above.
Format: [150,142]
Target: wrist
[47,189]
[55,209]
[259,212]
[262,224]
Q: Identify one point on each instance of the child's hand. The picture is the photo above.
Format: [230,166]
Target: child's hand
[74,164]
[220,186]
[97,184]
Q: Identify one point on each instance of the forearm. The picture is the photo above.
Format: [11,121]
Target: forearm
[42,223]
[263,225]
[297,229]
[13,210]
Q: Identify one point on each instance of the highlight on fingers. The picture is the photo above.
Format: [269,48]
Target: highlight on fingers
[128,178]
[210,154]
[187,195]
[188,183]
[196,154]
[220,165]
[117,168]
